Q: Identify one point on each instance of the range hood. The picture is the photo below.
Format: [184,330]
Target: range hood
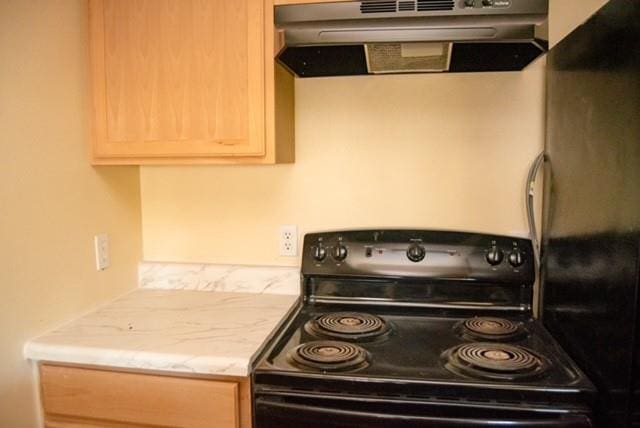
[410,36]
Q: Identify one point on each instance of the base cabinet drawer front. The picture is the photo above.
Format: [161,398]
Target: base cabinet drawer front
[81,398]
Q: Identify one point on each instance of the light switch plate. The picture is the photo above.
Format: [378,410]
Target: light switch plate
[101,243]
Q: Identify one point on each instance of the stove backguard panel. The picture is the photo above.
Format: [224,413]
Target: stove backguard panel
[453,270]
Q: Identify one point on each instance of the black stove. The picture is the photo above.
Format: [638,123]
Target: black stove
[417,329]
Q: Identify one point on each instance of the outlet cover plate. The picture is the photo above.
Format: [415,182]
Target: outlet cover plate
[289,240]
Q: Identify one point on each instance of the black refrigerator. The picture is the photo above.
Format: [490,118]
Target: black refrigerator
[591,223]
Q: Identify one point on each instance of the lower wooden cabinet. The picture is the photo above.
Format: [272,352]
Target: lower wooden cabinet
[75,397]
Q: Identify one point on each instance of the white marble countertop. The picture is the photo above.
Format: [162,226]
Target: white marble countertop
[200,332]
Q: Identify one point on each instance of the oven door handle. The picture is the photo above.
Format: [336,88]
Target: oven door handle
[563,421]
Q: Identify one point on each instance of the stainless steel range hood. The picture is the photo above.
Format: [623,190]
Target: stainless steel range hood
[410,36]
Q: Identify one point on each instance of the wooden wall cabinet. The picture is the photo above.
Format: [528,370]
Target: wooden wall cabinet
[188,81]
[74,397]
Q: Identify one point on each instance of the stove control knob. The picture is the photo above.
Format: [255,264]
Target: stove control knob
[487,3]
[516,258]
[494,256]
[339,252]
[469,3]
[319,253]
[416,252]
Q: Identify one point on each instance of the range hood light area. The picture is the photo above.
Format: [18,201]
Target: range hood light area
[387,36]
[386,58]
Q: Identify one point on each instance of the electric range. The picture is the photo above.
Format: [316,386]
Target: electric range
[401,328]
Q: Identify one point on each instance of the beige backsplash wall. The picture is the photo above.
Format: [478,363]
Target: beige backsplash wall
[52,201]
[428,151]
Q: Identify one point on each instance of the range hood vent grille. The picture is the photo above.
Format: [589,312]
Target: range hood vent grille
[406,6]
[392,6]
[378,6]
[432,5]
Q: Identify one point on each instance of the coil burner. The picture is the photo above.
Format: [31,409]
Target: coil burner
[493,329]
[494,361]
[329,355]
[348,325]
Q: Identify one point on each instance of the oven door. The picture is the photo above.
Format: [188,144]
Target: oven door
[293,410]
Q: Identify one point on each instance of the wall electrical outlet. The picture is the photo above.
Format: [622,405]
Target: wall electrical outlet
[101,243]
[289,240]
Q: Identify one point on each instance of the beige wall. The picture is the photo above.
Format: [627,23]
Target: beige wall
[51,201]
[566,15]
[428,151]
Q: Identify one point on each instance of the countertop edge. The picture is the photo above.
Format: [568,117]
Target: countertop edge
[84,356]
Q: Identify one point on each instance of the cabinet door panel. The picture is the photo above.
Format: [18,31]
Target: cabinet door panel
[54,422]
[178,78]
[128,399]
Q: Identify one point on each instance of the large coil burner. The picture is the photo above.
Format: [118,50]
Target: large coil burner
[329,355]
[494,361]
[491,329]
[348,325]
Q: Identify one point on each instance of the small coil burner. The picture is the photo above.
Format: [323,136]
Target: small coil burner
[347,325]
[488,328]
[329,355]
[494,361]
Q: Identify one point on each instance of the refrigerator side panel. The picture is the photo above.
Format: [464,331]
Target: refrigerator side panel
[592,202]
